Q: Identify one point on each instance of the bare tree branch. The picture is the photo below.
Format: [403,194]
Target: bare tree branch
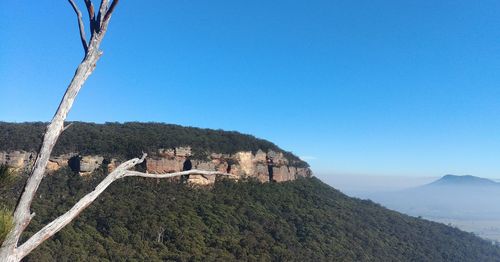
[67,126]
[102,11]
[22,214]
[56,225]
[9,250]
[183,173]
[109,12]
[92,18]
[105,15]
[80,25]
[120,172]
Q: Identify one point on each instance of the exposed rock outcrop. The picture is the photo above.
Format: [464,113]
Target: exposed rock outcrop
[55,163]
[15,159]
[89,164]
[264,166]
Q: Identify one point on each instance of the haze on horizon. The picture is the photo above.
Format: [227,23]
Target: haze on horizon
[467,202]
[363,89]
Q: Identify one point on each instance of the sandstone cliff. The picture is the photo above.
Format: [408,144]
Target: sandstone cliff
[264,166]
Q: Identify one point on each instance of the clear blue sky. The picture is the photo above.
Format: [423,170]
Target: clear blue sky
[356,87]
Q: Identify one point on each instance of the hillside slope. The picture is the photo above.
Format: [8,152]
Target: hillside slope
[127,140]
[302,220]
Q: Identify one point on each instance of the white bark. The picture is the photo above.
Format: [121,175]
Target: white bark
[182,173]
[22,214]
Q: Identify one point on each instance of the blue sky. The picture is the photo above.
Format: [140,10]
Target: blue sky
[407,88]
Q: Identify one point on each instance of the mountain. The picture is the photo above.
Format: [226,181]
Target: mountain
[464,181]
[301,220]
[468,202]
[456,197]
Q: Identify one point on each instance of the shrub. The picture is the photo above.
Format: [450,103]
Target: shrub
[6,176]
[6,223]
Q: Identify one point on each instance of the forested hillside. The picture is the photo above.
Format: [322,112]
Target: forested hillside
[303,220]
[130,139]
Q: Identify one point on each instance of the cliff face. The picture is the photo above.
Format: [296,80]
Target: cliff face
[264,166]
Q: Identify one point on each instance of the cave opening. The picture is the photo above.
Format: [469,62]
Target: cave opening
[270,170]
[271,174]
[188,165]
[74,163]
[105,165]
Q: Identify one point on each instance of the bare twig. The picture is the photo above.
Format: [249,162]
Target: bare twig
[80,25]
[110,10]
[92,19]
[105,15]
[67,126]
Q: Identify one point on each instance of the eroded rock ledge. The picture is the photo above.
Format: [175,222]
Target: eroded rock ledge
[264,166]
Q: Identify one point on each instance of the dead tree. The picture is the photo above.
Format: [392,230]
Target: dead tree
[11,249]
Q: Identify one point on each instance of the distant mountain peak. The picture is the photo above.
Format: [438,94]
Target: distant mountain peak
[467,180]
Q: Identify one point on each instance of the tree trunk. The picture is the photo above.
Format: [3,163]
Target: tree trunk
[22,214]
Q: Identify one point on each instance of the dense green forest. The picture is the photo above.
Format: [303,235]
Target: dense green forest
[304,220]
[129,140]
